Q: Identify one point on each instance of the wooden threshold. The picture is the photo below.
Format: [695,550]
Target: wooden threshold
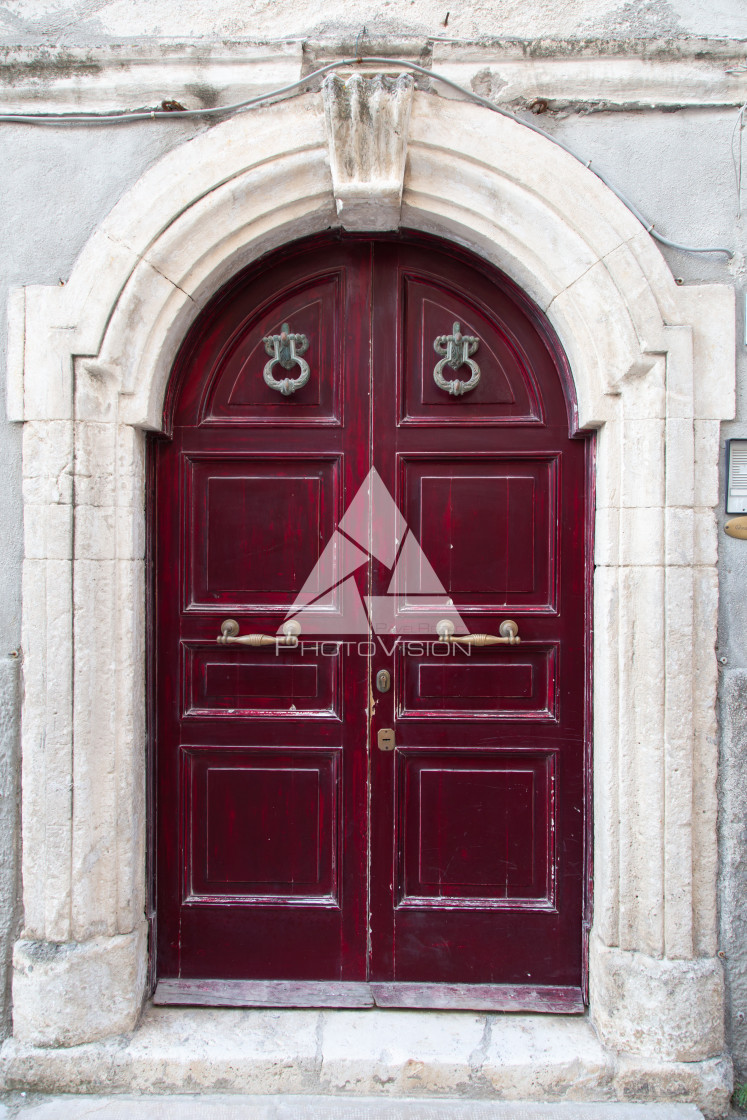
[263,993]
[335,993]
[480,997]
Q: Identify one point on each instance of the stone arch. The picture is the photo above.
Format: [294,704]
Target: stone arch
[261,179]
[653,367]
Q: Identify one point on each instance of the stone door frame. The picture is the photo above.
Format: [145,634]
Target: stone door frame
[653,368]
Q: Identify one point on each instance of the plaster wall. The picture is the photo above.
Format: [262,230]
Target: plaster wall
[676,166]
[70,21]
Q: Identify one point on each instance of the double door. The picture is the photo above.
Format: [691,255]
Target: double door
[360,796]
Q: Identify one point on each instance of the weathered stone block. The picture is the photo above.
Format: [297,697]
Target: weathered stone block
[106,974]
[404,1050]
[671,1010]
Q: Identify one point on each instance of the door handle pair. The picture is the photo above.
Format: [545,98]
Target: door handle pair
[508,630]
[229,635]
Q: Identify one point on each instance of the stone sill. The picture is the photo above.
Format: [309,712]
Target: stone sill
[385,1053]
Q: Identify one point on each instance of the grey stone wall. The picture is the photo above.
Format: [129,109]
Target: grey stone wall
[676,166]
[733,834]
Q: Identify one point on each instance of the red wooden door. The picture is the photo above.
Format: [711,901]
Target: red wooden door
[292,845]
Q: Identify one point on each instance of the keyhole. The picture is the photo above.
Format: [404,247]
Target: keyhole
[383,680]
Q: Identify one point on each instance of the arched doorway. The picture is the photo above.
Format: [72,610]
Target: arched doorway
[653,369]
[374,811]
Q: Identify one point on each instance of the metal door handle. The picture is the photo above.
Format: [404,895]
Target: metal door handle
[508,630]
[229,630]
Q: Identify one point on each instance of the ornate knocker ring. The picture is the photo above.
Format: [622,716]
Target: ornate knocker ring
[456,348]
[286,348]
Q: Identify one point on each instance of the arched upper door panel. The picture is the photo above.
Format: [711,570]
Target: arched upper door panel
[312,286]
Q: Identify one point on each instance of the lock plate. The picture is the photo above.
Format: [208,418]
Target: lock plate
[385,739]
[383,680]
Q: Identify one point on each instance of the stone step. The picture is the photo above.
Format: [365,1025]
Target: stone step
[352,1056]
[295,1107]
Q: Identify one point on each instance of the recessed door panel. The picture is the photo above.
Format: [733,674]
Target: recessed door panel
[477,829]
[220,681]
[490,683]
[487,527]
[257,528]
[238,392]
[260,827]
[506,391]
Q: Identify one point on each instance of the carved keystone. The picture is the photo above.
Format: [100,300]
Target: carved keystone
[367,122]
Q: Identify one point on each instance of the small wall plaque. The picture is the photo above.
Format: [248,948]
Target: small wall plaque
[737,527]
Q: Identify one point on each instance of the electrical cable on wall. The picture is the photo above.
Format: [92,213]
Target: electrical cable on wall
[736,154]
[124,117]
